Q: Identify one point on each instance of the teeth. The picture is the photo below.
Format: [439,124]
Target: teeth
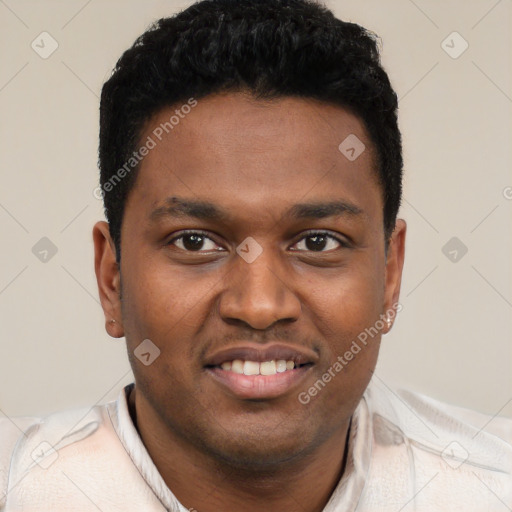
[281,366]
[256,368]
[237,366]
[251,368]
[268,368]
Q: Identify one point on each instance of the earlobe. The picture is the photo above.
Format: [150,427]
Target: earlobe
[394,268]
[108,278]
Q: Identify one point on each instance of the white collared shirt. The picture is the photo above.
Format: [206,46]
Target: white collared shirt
[407,452]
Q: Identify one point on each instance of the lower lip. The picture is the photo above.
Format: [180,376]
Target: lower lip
[259,386]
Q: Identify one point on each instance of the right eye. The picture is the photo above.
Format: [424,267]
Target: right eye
[192,241]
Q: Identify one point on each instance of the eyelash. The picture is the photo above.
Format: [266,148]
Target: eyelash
[343,243]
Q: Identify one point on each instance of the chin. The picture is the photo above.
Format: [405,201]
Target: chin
[259,451]
[256,460]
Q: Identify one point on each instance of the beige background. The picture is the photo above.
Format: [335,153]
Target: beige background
[453,338]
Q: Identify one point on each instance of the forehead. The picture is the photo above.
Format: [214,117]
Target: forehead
[256,156]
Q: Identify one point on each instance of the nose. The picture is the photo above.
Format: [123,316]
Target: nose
[258,294]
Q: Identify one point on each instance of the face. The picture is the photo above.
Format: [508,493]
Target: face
[250,243]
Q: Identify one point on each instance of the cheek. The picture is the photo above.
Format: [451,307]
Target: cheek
[157,309]
[348,302]
[167,306]
[347,310]
[160,300]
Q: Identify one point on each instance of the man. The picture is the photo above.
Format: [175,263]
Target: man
[251,172]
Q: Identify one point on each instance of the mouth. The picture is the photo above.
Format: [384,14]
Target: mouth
[272,367]
[251,372]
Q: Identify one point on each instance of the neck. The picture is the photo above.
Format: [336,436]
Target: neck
[206,485]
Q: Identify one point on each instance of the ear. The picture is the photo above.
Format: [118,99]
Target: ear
[394,267]
[108,278]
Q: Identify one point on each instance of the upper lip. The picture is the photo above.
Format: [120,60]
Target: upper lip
[261,353]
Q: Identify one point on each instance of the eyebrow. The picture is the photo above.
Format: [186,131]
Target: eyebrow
[177,207]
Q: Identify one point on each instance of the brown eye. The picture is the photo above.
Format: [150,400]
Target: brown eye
[193,241]
[320,242]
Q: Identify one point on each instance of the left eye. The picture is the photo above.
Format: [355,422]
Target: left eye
[319,240]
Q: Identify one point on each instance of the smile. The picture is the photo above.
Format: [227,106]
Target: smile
[256,368]
[258,386]
[255,372]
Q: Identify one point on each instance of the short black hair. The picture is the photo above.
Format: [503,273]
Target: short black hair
[271,48]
